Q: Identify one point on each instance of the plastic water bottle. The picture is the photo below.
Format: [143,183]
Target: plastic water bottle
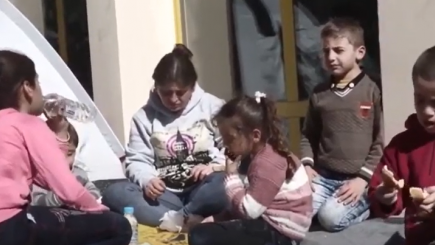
[57,105]
[128,214]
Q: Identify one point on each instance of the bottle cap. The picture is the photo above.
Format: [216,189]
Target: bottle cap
[128,210]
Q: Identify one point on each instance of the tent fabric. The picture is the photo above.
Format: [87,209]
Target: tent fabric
[99,149]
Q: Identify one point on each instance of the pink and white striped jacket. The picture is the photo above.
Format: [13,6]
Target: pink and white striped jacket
[285,203]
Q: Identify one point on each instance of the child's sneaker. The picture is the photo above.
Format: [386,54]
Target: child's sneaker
[172,221]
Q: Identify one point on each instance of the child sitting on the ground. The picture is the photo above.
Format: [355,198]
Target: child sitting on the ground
[276,206]
[404,179]
[68,145]
[342,137]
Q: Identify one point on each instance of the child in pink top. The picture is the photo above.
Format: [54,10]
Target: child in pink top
[29,154]
[275,206]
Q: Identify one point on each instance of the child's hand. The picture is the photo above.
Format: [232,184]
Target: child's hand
[389,181]
[387,191]
[232,166]
[351,191]
[155,188]
[425,199]
[200,171]
[386,195]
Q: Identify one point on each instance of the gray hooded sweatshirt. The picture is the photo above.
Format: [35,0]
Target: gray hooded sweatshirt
[167,145]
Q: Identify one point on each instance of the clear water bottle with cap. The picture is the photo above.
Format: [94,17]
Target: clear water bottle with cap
[57,105]
[128,214]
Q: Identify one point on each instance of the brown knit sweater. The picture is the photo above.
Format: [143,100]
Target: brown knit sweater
[343,129]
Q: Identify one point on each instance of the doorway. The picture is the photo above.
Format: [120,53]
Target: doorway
[277,50]
[66,29]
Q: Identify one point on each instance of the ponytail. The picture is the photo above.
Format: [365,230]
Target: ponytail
[272,126]
[259,113]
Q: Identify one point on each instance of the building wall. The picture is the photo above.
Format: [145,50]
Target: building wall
[206,34]
[405,31]
[128,38]
[32,10]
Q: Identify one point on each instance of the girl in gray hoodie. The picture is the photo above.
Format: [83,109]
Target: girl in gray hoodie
[173,156]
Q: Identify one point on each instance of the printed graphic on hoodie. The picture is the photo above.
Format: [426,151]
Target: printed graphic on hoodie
[178,151]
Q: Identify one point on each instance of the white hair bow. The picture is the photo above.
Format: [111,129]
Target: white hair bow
[259,95]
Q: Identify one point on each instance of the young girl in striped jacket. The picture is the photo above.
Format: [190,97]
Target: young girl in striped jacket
[276,206]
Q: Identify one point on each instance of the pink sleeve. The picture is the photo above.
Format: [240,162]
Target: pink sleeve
[52,169]
[265,180]
[234,188]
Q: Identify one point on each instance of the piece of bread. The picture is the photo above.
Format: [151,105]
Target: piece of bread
[399,183]
[417,193]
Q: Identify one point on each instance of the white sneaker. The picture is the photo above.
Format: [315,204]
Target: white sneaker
[172,221]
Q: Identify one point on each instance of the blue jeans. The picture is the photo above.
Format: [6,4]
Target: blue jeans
[332,214]
[206,198]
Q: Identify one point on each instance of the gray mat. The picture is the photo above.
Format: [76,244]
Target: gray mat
[370,232]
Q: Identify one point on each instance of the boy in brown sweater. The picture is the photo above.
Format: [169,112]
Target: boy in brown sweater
[342,138]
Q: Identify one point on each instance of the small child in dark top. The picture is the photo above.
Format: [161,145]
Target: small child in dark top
[409,159]
[342,137]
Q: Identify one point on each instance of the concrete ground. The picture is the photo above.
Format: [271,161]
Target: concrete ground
[370,232]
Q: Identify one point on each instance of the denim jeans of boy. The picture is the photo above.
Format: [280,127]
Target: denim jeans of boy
[332,214]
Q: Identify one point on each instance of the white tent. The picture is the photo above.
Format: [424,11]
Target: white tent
[99,148]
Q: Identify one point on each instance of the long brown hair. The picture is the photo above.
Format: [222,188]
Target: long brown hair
[260,115]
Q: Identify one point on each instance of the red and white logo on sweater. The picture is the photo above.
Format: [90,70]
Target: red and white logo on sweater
[364,109]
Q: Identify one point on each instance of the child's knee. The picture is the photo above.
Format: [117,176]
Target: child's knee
[119,195]
[214,185]
[331,222]
[334,216]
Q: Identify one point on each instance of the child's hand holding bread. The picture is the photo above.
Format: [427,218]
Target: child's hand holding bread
[424,198]
[389,181]
[387,192]
[425,201]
